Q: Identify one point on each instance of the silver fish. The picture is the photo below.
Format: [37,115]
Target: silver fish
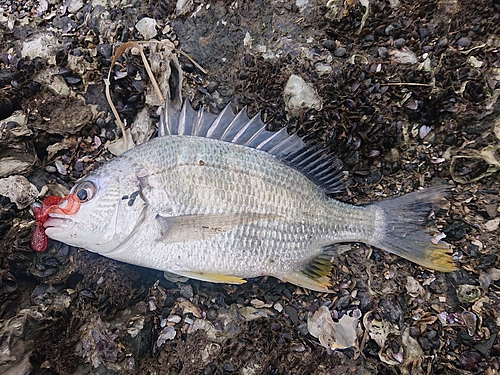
[221,199]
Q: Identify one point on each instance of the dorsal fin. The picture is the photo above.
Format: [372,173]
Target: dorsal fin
[311,159]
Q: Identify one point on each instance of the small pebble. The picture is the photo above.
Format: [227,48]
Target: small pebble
[400,42]
[330,45]
[464,42]
[383,52]
[369,38]
[188,67]
[187,291]
[339,52]
[147,27]
[174,319]
[303,329]
[393,26]
[292,314]
[277,306]
[228,366]
[443,42]
[211,314]
[104,50]
[211,87]
[298,347]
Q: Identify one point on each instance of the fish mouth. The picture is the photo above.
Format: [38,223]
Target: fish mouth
[56,222]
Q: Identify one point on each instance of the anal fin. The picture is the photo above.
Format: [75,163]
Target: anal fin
[319,266]
[315,274]
[212,277]
[298,278]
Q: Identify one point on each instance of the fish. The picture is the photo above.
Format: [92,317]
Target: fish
[221,199]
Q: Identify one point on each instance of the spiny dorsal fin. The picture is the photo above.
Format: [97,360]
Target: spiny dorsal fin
[313,160]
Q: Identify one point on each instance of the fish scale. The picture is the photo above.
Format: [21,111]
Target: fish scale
[222,199]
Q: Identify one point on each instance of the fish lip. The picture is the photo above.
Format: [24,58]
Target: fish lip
[58,222]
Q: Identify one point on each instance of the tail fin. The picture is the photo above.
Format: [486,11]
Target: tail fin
[404,235]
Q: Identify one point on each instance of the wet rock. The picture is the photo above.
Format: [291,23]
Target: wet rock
[14,126]
[187,291]
[464,42]
[340,52]
[300,95]
[66,24]
[105,50]
[456,231]
[16,160]
[405,57]
[147,28]
[469,359]
[392,28]
[51,113]
[74,6]
[44,45]
[399,43]
[330,45]
[292,314]
[19,190]
[229,367]
[391,311]
[383,52]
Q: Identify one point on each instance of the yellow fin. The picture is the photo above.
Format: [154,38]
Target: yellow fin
[437,257]
[212,277]
[320,284]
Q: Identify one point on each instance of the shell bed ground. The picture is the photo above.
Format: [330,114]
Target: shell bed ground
[407,96]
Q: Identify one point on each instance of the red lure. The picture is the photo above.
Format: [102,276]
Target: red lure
[50,204]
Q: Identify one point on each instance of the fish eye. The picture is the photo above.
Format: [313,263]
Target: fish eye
[85,191]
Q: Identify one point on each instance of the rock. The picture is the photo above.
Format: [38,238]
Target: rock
[299,95]
[383,52]
[400,42]
[15,160]
[50,112]
[13,127]
[406,57]
[339,52]
[147,27]
[74,6]
[19,190]
[44,45]
[323,68]
[330,44]
[464,42]
[492,225]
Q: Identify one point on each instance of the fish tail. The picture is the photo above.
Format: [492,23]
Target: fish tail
[404,234]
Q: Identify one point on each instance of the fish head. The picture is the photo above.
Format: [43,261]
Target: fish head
[99,214]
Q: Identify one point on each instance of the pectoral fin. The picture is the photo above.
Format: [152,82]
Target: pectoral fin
[201,227]
[211,277]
